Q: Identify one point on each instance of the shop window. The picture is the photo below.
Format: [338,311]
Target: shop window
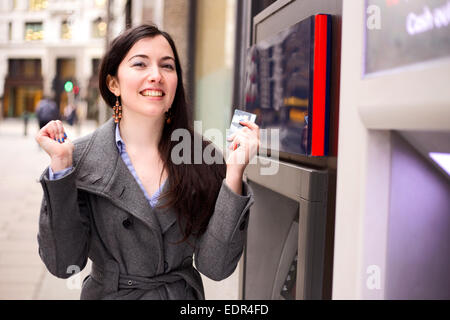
[66,67]
[98,28]
[36,5]
[34,31]
[24,68]
[13,67]
[66,30]
[29,68]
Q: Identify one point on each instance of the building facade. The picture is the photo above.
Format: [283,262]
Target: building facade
[44,44]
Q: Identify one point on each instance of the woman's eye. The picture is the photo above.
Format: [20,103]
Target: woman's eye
[138,64]
[168,66]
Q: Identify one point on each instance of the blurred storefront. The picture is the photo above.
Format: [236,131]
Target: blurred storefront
[23,86]
[46,43]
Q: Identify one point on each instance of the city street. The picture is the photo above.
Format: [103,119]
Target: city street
[22,273]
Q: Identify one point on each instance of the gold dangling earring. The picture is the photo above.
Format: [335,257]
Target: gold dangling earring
[117,111]
[168,115]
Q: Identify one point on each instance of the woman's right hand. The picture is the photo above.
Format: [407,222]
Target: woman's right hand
[53,139]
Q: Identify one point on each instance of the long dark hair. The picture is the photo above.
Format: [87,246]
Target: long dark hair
[193,187]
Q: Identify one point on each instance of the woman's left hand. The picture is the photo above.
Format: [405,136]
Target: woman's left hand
[245,145]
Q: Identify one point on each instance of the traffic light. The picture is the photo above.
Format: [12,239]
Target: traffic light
[68,86]
[76,90]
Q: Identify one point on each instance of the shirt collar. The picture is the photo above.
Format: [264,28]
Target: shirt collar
[119,142]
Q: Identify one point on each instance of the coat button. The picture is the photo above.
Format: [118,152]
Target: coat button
[127,223]
[242,226]
[166,266]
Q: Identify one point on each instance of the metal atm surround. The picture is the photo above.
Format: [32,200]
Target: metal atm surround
[306,207]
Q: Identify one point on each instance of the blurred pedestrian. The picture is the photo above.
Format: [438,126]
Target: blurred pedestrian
[46,111]
[26,117]
[70,114]
[103,196]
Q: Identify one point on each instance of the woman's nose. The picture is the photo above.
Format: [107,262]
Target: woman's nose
[154,75]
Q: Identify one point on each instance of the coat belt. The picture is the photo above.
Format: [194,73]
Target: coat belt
[138,282]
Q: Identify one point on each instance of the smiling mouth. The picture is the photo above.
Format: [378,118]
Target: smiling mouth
[152,93]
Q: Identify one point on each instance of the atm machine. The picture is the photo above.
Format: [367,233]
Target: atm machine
[381,230]
[395,92]
[288,75]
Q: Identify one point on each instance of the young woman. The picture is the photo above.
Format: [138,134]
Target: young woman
[117,197]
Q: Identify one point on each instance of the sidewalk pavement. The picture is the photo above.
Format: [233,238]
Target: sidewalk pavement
[23,275]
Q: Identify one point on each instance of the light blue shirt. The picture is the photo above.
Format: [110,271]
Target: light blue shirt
[153,200]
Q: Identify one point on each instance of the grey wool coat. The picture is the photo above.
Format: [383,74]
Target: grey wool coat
[98,211]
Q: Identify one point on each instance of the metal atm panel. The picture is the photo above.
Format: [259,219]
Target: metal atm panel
[284,256]
[270,224]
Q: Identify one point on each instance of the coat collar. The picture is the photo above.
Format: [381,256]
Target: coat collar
[102,171]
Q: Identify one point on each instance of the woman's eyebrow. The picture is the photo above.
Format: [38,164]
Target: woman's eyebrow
[139,56]
[167,58]
[146,57]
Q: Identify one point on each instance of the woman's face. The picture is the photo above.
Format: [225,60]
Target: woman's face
[146,78]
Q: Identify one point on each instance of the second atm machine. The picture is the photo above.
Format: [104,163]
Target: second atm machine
[289,80]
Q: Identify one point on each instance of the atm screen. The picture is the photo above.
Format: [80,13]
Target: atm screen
[287,85]
[401,32]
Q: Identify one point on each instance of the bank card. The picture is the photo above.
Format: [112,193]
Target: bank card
[239,115]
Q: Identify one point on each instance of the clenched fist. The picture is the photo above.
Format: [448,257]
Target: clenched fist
[53,139]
